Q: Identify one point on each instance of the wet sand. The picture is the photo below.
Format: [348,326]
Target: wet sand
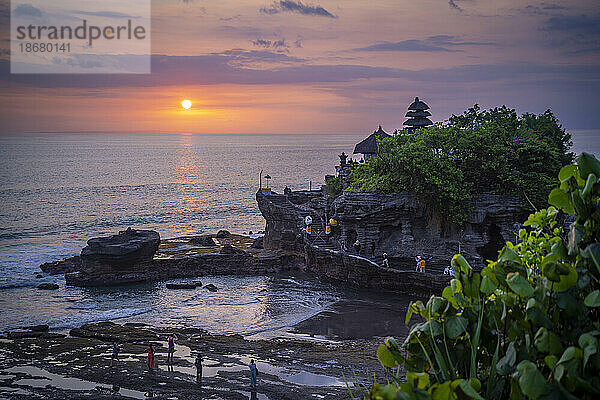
[358,319]
[54,366]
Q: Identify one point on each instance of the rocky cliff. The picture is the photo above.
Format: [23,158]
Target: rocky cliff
[396,224]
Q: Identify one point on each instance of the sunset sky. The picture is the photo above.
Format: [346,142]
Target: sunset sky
[318,66]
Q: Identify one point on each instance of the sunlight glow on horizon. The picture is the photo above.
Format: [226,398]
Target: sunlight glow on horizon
[186,104]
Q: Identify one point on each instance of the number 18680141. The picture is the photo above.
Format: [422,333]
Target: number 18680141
[43,47]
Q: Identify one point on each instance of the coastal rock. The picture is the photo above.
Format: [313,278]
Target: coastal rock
[344,268]
[36,328]
[118,259]
[210,287]
[47,286]
[257,243]
[71,264]
[396,224]
[183,285]
[110,332]
[223,234]
[203,241]
[229,249]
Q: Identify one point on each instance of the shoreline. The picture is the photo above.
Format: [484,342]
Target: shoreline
[289,368]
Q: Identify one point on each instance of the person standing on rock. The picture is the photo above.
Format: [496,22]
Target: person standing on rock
[386,263]
[198,365]
[357,247]
[418,260]
[150,357]
[115,352]
[253,373]
[422,265]
[171,342]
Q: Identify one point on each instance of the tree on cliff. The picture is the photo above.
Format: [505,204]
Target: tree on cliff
[527,326]
[479,151]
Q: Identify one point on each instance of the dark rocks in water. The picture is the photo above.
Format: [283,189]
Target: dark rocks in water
[68,265]
[110,332]
[203,241]
[222,234]
[184,285]
[38,276]
[229,249]
[211,287]
[257,243]
[37,328]
[32,334]
[47,286]
[118,259]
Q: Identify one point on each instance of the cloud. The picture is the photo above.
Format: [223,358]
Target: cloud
[237,66]
[243,57]
[582,24]
[575,33]
[296,7]
[271,44]
[453,4]
[28,10]
[405,45]
[439,43]
[548,6]
[107,14]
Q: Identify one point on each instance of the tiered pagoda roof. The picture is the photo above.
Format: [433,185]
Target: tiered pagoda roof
[417,115]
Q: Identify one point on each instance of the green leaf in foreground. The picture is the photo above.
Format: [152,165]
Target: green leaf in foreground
[519,285]
[593,299]
[531,380]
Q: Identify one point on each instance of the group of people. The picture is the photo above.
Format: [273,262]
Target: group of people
[420,263]
[116,348]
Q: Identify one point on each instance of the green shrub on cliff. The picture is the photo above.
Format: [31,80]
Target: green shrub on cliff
[479,151]
[526,326]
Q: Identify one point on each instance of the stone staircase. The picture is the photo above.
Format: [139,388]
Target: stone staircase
[317,237]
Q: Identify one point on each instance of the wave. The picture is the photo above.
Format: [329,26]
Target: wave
[25,284]
[82,318]
[90,306]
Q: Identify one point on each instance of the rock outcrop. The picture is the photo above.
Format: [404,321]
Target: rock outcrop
[118,259]
[47,286]
[402,227]
[203,241]
[68,265]
[397,224]
[344,268]
[222,234]
[129,258]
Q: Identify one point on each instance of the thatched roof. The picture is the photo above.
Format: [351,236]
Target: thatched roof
[369,145]
[418,122]
[418,114]
[418,105]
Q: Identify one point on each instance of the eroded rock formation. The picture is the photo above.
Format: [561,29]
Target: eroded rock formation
[117,259]
[396,224]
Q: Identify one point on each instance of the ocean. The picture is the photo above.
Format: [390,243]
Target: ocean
[59,190]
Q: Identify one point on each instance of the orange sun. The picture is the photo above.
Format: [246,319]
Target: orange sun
[186,104]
